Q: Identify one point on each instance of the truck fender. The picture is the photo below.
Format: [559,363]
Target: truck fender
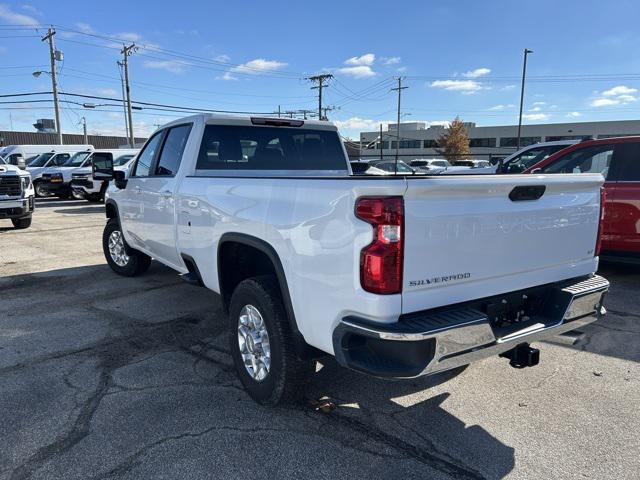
[302,347]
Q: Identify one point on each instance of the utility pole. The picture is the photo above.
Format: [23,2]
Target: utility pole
[524,73]
[124,100]
[381,143]
[126,51]
[84,129]
[53,54]
[399,89]
[278,111]
[320,79]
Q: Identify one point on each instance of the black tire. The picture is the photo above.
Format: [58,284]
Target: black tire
[21,223]
[288,374]
[137,262]
[94,198]
[64,196]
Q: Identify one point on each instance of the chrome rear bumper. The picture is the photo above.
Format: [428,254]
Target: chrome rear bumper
[437,340]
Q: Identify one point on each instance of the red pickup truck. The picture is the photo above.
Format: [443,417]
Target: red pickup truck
[618,159]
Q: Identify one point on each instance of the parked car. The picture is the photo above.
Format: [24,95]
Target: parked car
[472,163]
[16,195]
[528,156]
[618,160]
[430,165]
[389,167]
[83,185]
[54,158]
[310,260]
[11,153]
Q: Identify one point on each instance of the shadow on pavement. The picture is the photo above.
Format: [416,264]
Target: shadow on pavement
[424,429]
[82,210]
[618,333]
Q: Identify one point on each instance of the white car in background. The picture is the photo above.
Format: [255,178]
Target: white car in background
[528,156]
[55,158]
[83,185]
[16,195]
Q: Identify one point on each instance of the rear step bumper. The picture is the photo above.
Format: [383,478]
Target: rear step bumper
[433,341]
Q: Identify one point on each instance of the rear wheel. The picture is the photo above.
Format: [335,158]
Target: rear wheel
[262,344]
[122,259]
[21,223]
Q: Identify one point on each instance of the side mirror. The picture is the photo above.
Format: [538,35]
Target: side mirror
[102,165]
[120,179]
[21,163]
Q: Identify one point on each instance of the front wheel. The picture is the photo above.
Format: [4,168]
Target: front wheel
[262,344]
[122,259]
[21,223]
[40,190]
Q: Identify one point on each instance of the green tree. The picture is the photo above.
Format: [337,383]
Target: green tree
[454,142]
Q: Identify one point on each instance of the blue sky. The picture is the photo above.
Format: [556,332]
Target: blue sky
[462,58]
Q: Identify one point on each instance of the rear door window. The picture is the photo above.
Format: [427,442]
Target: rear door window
[61,158]
[594,159]
[228,147]
[627,162]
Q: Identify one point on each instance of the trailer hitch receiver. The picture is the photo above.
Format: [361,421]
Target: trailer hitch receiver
[522,356]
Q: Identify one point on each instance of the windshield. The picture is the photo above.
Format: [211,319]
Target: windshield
[40,160]
[530,157]
[77,159]
[118,162]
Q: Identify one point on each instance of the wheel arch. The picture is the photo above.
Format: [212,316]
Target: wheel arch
[111,209]
[244,244]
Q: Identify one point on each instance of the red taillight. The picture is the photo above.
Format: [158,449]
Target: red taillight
[603,198]
[381,260]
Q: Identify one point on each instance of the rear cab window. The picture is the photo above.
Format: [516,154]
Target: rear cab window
[260,148]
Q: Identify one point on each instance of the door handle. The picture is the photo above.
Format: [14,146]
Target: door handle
[138,190]
[166,193]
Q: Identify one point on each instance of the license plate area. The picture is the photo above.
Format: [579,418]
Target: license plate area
[516,308]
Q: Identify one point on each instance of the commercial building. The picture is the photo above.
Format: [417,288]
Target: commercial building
[40,138]
[419,141]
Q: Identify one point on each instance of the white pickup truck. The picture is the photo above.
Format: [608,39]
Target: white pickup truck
[16,195]
[310,260]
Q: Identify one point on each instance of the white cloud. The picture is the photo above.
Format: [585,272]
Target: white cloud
[539,104]
[535,109]
[222,58]
[357,123]
[508,87]
[257,66]
[366,59]
[402,69]
[128,36]
[619,95]
[574,114]
[84,27]
[604,102]
[31,8]
[478,72]
[227,76]
[465,86]
[619,90]
[15,18]
[535,116]
[390,60]
[173,66]
[502,107]
[361,71]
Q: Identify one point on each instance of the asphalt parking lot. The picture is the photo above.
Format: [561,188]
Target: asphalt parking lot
[107,377]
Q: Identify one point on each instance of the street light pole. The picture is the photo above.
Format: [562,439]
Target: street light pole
[54,83]
[524,74]
[84,129]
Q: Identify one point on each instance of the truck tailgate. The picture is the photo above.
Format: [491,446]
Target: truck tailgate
[465,238]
